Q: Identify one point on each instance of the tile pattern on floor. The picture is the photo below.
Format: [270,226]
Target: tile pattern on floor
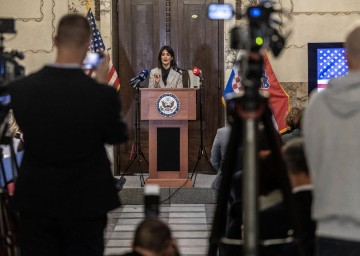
[190,225]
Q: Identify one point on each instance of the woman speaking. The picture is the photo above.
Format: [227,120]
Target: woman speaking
[165,76]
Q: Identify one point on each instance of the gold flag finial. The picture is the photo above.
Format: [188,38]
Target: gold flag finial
[88,6]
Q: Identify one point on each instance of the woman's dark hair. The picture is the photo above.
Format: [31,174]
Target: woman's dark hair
[171,52]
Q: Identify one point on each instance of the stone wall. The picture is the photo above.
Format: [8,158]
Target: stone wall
[36,21]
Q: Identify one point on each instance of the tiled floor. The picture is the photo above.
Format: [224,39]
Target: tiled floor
[190,224]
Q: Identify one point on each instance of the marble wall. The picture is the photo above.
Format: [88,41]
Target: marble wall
[35,23]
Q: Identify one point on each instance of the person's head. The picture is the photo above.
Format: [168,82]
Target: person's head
[73,35]
[295,161]
[166,57]
[153,237]
[293,118]
[353,47]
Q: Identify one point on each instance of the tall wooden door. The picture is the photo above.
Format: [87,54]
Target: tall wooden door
[146,25]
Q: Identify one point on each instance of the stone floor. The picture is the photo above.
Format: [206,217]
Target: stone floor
[190,224]
[188,211]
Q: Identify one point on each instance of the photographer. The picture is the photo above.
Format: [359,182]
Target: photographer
[65,187]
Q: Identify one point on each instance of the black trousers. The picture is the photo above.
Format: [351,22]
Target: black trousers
[44,236]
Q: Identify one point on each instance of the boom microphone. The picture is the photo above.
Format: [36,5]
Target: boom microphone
[141,77]
[197,72]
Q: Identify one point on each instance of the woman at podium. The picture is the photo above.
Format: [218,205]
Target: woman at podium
[166,74]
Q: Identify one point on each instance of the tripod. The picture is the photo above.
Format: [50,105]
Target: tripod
[136,152]
[8,217]
[249,110]
[202,149]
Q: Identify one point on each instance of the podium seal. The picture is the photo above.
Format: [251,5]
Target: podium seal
[168,105]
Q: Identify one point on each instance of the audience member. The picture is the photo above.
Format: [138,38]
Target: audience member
[153,238]
[298,172]
[330,126]
[273,221]
[293,122]
[65,187]
[218,151]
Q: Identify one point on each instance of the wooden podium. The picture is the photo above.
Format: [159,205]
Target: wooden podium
[168,112]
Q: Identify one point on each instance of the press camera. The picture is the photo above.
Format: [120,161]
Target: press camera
[9,67]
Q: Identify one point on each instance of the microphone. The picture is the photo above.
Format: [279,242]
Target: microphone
[177,69]
[141,77]
[197,72]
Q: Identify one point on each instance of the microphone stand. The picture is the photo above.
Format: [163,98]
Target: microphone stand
[136,152]
[202,149]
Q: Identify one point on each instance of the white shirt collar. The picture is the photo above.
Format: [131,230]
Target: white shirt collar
[303,188]
[67,65]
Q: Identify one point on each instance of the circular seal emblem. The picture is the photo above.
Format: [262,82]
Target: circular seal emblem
[168,104]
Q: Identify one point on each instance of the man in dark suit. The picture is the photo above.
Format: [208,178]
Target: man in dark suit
[65,187]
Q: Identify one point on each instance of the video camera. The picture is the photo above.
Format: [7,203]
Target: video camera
[263,32]
[10,69]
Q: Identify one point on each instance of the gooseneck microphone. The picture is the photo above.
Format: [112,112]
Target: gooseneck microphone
[141,77]
[197,72]
[179,70]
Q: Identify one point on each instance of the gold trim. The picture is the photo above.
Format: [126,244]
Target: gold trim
[34,19]
[52,35]
[321,13]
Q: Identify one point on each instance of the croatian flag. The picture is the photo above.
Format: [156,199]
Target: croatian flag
[331,64]
[234,82]
[279,99]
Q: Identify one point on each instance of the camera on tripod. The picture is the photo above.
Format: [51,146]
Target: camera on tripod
[263,32]
[10,69]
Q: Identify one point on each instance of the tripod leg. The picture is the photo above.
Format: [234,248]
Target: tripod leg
[141,153]
[195,168]
[208,160]
[142,180]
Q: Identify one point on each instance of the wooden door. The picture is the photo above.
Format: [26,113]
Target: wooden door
[146,25]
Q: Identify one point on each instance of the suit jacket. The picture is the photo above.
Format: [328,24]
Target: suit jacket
[174,79]
[66,118]
[218,152]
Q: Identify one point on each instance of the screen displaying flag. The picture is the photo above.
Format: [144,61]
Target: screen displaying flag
[279,99]
[97,45]
[331,63]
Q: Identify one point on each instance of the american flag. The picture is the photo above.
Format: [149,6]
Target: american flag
[331,64]
[96,45]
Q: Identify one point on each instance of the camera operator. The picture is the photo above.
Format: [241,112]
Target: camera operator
[65,187]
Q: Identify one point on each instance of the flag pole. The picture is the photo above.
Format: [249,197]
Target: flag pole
[88,5]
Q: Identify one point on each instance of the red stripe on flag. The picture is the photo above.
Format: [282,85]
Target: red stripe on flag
[110,74]
[322,85]
[279,99]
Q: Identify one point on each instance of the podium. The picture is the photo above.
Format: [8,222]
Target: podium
[168,111]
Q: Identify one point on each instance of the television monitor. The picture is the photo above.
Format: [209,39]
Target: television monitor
[325,61]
